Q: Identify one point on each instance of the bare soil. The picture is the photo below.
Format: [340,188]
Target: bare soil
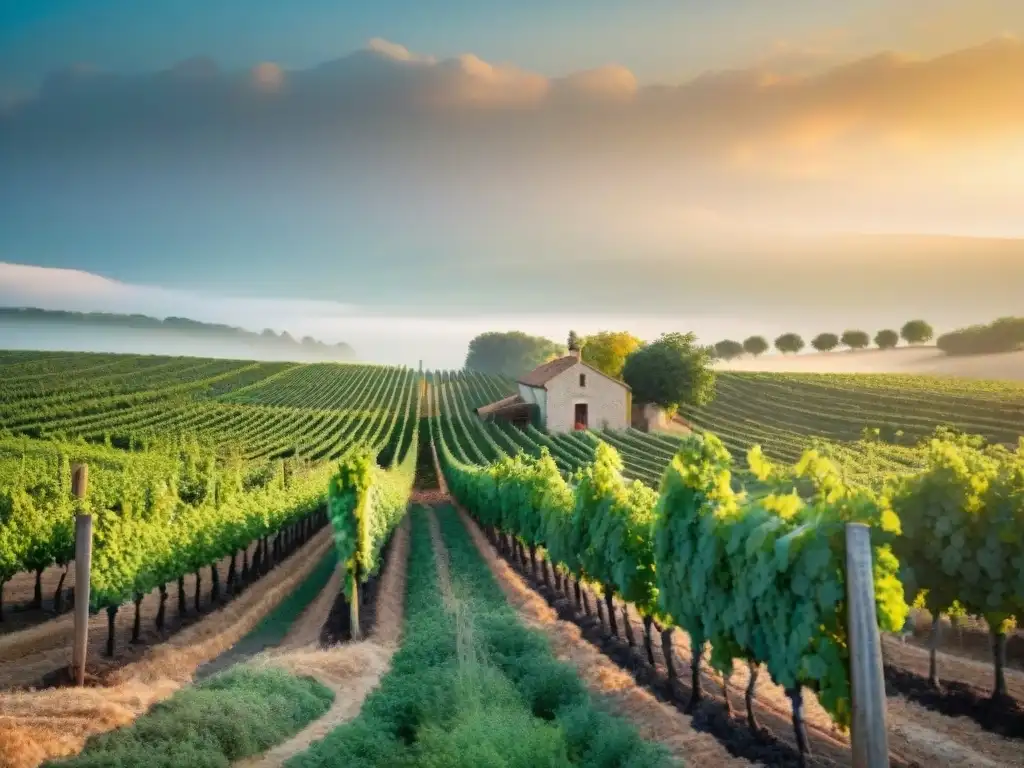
[608,683]
[351,670]
[40,725]
[918,735]
[39,654]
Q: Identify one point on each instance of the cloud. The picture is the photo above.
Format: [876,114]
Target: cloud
[395,51]
[966,92]
[483,150]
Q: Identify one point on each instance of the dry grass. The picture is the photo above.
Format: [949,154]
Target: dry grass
[38,725]
[353,670]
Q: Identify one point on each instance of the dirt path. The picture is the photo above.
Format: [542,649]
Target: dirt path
[351,670]
[605,680]
[305,631]
[38,725]
[444,578]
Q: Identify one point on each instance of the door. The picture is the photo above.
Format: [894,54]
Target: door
[581,416]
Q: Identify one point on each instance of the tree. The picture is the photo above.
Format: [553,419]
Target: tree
[670,372]
[607,351]
[727,349]
[856,339]
[512,353]
[1003,335]
[574,340]
[755,345]
[887,339]
[789,342]
[825,342]
[916,332]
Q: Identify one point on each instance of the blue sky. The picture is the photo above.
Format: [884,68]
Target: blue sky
[462,158]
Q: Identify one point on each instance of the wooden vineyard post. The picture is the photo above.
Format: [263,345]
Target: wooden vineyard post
[870,733]
[355,632]
[83,571]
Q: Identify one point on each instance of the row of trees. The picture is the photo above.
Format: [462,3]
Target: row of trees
[913,332]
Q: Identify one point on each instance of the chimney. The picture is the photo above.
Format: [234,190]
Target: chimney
[574,345]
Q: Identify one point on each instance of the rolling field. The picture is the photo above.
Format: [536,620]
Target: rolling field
[218,487]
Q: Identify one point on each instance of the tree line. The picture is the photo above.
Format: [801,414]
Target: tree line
[912,332]
[1003,335]
[266,339]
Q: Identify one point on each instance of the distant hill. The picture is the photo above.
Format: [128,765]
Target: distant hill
[31,328]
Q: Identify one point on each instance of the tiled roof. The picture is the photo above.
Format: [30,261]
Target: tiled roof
[484,410]
[542,374]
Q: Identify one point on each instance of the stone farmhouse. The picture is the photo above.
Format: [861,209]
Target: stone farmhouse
[563,395]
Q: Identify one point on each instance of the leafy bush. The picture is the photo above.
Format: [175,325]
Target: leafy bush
[789,343]
[887,339]
[236,714]
[825,342]
[1003,335]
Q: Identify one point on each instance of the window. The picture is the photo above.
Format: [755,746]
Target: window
[583,379]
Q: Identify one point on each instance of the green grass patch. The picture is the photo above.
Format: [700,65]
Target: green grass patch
[233,715]
[275,626]
[473,688]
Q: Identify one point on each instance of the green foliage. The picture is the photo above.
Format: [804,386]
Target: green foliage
[512,353]
[365,504]
[762,578]
[916,332]
[825,342]
[755,345]
[158,514]
[856,339]
[670,372]
[470,686]
[231,716]
[607,351]
[962,518]
[728,349]
[1003,335]
[887,339]
[789,343]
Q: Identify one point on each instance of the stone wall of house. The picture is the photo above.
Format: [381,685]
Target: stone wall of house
[606,399]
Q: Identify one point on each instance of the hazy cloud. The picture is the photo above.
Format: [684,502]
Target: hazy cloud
[969,94]
[380,175]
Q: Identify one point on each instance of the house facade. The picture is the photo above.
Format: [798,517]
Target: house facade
[568,394]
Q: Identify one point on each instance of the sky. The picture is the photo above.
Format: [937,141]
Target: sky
[402,175]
